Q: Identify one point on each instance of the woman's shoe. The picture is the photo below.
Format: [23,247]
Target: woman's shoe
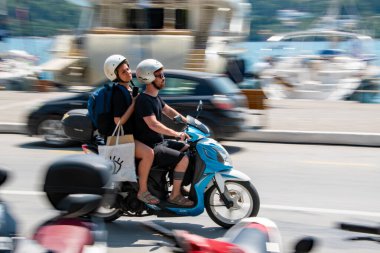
[148,198]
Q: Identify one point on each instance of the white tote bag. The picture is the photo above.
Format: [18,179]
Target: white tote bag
[120,149]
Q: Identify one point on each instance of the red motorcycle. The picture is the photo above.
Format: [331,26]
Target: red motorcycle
[75,185]
[250,235]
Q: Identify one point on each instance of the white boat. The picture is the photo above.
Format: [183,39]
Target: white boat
[15,67]
[330,73]
[328,61]
[185,34]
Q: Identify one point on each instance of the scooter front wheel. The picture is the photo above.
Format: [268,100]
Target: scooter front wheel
[246,203]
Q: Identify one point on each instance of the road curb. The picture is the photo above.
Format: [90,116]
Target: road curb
[13,128]
[275,136]
[310,137]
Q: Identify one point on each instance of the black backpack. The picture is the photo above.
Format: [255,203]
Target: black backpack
[100,109]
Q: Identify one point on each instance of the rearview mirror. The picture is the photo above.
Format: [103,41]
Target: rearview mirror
[200,106]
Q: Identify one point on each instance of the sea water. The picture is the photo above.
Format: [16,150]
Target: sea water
[254,51]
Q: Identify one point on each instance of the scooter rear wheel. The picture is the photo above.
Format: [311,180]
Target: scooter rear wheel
[108,212]
[111,216]
[246,203]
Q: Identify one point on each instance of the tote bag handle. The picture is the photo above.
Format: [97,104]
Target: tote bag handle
[119,131]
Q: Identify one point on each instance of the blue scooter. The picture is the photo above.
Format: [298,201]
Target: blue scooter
[227,194]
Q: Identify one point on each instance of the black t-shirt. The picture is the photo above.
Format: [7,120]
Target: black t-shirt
[121,101]
[147,105]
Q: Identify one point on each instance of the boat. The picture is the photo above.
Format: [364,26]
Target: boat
[326,62]
[183,34]
[329,73]
[16,66]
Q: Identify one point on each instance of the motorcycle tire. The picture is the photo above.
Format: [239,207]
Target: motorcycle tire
[108,213]
[109,217]
[239,191]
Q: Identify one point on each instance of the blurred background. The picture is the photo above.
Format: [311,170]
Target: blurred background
[234,38]
[282,58]
[283,74]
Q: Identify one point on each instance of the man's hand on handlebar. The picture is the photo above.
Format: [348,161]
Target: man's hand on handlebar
[182,136]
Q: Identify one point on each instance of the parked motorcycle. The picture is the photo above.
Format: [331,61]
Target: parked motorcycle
[226,193]
[250,235]
[8,226]
[75,185]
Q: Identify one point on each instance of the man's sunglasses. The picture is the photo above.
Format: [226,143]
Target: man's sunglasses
[161,75]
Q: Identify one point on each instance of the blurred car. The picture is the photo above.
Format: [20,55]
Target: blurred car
[223,105]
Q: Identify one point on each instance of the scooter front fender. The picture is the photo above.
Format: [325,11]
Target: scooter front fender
[231,175]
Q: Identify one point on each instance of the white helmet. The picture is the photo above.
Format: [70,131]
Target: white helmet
[145,70]
[112,63]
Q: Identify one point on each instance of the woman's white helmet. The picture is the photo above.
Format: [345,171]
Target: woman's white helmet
[145,70]
[111,64]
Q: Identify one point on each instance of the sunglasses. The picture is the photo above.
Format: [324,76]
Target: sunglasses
[161,75]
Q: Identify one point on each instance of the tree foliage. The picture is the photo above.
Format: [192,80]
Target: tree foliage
[41,17]
[50,17]
[265,22]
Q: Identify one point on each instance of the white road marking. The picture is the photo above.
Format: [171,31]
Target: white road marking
[321,210]
[21,103]
[67,151]
[273,207]
[12,192]
[340,163]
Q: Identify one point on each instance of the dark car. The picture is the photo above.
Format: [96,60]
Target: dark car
[222,105]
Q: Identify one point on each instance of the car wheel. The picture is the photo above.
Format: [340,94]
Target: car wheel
[51,130]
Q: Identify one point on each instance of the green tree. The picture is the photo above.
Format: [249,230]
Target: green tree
[41,17]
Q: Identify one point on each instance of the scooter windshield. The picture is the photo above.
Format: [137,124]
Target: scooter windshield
[197,124]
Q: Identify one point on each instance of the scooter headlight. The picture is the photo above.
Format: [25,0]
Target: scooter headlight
[220,154]
[223,155]
[214,151]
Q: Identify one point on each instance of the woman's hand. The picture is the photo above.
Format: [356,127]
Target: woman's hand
[134,100]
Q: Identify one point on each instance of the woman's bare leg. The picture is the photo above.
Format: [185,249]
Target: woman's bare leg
[146,154]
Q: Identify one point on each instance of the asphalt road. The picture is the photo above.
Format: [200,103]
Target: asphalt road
[305,189]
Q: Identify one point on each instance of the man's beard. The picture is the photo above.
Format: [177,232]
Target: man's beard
[157,87]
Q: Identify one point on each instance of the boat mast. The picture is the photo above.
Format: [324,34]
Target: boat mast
[335,20]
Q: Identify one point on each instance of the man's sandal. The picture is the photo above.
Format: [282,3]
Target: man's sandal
[181,201]
[148,198]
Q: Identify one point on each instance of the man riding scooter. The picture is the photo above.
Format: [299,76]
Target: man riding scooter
[149,130]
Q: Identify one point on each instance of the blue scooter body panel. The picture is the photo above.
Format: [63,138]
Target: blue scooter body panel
[199,207]
[214,156]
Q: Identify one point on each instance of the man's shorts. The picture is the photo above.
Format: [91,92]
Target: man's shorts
[167,154]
